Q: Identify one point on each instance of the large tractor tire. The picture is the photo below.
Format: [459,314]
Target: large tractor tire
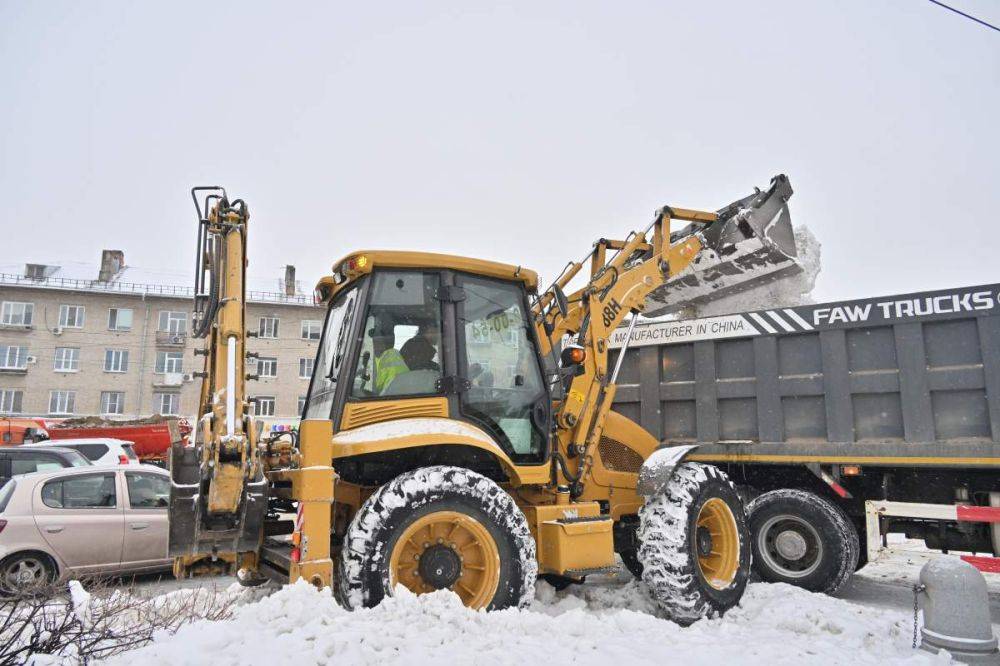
[694,544]
[436,528]
[802,539]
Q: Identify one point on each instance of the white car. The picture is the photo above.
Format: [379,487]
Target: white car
[100,450]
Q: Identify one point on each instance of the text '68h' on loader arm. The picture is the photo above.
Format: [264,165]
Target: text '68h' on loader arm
[218,492]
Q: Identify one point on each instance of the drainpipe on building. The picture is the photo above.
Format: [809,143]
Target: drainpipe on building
[142,358]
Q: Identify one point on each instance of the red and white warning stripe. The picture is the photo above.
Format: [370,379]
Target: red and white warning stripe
[965,513]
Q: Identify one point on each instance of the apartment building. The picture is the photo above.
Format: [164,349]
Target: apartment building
[113,340]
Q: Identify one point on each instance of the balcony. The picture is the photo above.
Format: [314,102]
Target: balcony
[170,339]
[171,380]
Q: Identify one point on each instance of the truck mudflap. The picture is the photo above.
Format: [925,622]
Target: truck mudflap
[658,469]
[750,244]
[193,530]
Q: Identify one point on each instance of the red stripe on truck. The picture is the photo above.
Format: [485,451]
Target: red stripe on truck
[978,514]
[986,564]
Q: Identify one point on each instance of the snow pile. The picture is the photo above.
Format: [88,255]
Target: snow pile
[776,624]
[80,600]
[784,292]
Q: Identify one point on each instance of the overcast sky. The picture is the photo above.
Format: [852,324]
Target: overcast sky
[518,132]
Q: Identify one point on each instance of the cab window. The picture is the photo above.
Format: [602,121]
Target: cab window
[330,357]
[506,394]
[400,351]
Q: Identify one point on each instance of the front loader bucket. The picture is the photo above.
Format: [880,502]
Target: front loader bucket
[751,243]
[196,532]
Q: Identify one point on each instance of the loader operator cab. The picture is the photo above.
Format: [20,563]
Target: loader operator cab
[397,335]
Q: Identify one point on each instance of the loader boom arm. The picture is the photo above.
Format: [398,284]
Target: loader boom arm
[733,249]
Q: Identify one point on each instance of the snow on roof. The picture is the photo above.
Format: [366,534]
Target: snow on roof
[81,275]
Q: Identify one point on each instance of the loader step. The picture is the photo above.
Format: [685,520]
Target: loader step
[593,571]
[277,554]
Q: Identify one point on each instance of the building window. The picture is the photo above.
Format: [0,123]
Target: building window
[306,367]
[172,322]
[267,367]
[13,358]
[62,402]
[167,362]
[116,360]
[301,407]
[119,319]
[268,327]
[16,314]
[10,401]
[265,405]
[167,404]
[311,329]
[67,359]
[71,316]
[112,402]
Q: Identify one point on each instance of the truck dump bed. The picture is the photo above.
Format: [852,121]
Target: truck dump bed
[910,379]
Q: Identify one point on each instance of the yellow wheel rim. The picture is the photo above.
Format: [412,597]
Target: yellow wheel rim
[447,549]
[717,544]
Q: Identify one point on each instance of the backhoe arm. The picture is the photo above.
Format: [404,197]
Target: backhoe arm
[218,493]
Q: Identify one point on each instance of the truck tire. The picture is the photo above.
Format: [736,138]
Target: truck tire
[434,528]
[802,539]
[694,544]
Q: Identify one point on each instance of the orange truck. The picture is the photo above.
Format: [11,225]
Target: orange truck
[16,431]
[151,438]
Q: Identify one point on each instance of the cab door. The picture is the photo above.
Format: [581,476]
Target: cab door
[498,358]
[82,519]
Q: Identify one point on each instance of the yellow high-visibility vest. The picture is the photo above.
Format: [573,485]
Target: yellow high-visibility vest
[387,366]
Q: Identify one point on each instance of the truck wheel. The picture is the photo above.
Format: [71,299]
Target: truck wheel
[802,539]
[694,544]
[435,528]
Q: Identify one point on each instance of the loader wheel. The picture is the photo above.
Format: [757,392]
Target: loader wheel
[802,539]
[695,545]
[439,528]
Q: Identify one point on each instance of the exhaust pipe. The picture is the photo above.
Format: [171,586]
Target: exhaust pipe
[751,243]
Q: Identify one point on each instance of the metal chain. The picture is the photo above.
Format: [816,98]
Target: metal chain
[917,589]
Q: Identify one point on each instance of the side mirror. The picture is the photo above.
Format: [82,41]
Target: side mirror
[560,298]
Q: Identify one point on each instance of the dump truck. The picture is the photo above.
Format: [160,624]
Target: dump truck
[458,431]
[822,414]
[15,431]
[150,437]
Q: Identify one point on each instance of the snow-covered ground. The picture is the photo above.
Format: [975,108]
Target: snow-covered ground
[610,619]
[775,624]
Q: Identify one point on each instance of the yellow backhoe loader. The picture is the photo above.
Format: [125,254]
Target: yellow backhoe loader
[458,430]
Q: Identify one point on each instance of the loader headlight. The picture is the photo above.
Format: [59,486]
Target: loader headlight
[572,355]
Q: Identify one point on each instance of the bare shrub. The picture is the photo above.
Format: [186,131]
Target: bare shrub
[76,626]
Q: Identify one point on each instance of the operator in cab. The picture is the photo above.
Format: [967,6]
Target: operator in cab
[388,361]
